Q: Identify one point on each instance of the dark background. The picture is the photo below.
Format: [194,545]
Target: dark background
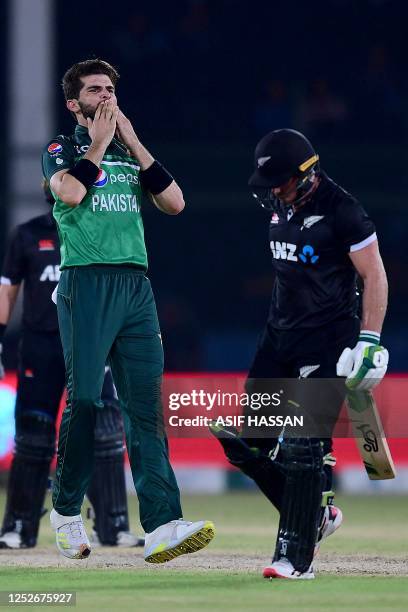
[3,129]
[202,81]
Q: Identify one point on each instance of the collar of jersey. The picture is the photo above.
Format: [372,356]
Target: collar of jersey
[317,195]
[322,188]
[81,132]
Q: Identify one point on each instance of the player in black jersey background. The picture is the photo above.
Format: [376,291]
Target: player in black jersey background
[321,240]
[33,258]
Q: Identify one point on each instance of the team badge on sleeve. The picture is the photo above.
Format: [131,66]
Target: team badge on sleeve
[54,148]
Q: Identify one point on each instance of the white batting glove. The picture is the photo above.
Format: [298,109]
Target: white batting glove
[366,364]
[2,373]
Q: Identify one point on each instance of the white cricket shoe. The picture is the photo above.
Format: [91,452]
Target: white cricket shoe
[10,539]
[71,537]
[332,519]
[124,539]
[177,538]
[284,569]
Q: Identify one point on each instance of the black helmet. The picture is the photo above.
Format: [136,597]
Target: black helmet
[279,156]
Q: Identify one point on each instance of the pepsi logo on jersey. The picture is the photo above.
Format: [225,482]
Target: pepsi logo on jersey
[101,179]
[54,148]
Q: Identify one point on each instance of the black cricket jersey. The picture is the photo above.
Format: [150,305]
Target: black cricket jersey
[315,280]
[33,256]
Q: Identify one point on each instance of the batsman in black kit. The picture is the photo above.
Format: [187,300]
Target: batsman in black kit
[321,239]
[33,256]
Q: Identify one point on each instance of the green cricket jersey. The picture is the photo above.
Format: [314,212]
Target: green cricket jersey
[107,226]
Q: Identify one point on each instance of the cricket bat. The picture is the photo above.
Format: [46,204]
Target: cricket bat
[369,435]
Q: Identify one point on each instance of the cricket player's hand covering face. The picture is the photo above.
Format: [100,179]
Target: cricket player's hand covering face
[365,365]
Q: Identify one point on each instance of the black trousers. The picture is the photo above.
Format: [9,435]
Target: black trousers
[41,382]
[41,375]
[282,354]
[302,364]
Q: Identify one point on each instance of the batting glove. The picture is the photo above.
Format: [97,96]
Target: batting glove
[366,364]
[1,363]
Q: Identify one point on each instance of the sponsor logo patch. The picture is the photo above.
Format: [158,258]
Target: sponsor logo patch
[101,179]
[50,273]
[283,250]
[305,371]
[262,160]
[46,245]
[309,221]
[308,255]
[275,218]
[288,252]
[54,148]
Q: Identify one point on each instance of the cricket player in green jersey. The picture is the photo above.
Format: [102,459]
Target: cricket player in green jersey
[107,312]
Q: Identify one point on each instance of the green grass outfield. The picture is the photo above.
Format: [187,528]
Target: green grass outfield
[374,533]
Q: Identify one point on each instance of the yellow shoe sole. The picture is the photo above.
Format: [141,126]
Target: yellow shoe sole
[191,544]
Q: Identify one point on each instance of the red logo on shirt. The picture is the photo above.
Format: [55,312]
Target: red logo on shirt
[54,148]
[46,245]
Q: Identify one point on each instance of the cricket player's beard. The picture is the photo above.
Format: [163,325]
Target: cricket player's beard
[87,110]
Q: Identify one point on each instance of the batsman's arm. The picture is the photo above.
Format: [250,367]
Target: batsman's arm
[13,272]
[369,266]
[8,296]
[365,365]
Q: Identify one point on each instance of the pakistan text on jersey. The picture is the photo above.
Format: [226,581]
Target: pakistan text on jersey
[117,202]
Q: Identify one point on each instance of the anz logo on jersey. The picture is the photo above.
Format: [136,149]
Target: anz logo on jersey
[50,273]
[288,251]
